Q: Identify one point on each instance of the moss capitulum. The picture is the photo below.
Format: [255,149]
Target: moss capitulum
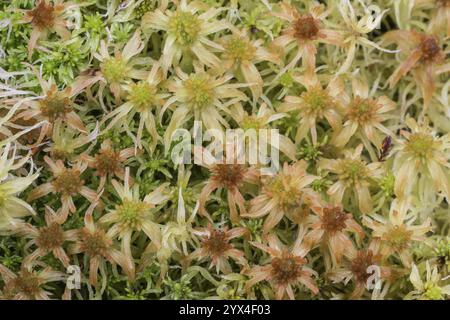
[287,268]
[217,243]
[284,191]
[316,101]
[114,69]
[333,219]
[239,49]
[55,105]
[421,145]
[94,244]
[185,26]
[363,110]
[430,49]
[306,28]
[94,23]
[200,91]
[107,162]
[228,175]
[68,182]
[142,95]
[26,283]
[353,170]
[360,264]
[50,237]
[43,15]
[398,237]
[132,213]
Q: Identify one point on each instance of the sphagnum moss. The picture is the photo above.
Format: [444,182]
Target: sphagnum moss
[92,93]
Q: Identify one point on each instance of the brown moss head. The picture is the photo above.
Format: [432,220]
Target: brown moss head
[228,175]
[107,161]
[68,182]
[216,243]
[43,15]
[94,243]
[359,265]
[431,51]
[287,268]
[50,237]
[306,28]
[333,219]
